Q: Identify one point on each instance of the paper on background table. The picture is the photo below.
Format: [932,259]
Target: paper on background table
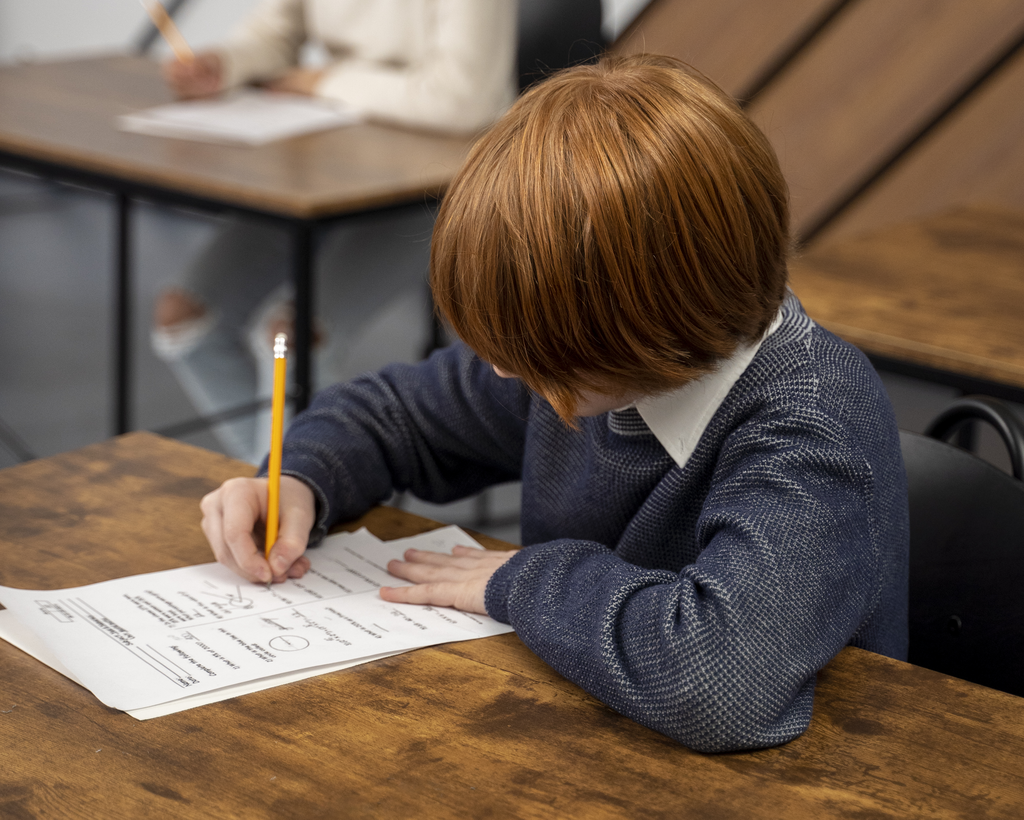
[155,639]
[248,117]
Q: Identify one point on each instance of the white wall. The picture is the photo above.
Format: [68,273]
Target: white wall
[55,29]
[620,13]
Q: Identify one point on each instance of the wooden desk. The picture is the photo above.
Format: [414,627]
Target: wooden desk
[940,299]
[58,120]
[477,729]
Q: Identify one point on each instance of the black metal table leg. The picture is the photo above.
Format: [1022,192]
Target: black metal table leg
[123,317]
[302,345]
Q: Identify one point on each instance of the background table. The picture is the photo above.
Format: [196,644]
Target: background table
[58,120]
[940,299]
[471,730]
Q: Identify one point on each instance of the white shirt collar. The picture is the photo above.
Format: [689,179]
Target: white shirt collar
[678,419]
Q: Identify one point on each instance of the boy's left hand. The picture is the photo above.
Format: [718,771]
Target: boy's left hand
[457,580]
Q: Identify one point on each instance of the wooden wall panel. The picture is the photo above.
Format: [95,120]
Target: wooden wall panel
[732,41]
[975,156]
[868,83]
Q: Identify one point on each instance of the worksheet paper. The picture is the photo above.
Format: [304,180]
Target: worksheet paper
[16,634]
[165,641]
[247,117]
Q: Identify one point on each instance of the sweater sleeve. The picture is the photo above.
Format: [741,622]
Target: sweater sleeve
[443,429]
[463,81]
[266,44]
[722,655]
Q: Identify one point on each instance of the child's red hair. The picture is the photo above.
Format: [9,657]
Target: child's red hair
[620,230]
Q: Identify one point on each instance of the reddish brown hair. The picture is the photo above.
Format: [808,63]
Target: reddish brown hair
[621,229]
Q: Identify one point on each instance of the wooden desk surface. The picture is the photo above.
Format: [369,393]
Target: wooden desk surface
[945,292]
[64,113]
[472,730]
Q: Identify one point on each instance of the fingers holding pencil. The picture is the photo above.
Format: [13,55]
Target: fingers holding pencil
[233,515]
[200,77]
[298,514]
[188,74]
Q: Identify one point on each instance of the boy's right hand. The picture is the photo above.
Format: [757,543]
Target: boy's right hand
[199,78]
[232,513]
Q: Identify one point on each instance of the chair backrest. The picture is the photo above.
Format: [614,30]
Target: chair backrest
[966,554]
[554,34]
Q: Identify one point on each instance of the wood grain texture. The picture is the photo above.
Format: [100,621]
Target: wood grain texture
[65,113]
[472,730]
[946,291]
[868,84]
[731,41]
[977,156]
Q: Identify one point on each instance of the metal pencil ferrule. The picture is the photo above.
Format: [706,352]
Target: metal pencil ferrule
[280,346]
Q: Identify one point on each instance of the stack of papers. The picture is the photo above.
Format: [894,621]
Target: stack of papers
[250,117]
[163,642]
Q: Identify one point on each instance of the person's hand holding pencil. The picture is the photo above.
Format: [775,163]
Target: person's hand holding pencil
[232,513]
[188,74]
[200,77]
[233,517]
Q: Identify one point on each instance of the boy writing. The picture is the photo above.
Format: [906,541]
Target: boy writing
[713,497]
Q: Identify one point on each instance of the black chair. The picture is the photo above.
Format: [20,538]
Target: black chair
[555,34]
[967,550]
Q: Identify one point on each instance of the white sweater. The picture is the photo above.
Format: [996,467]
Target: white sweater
[446,64]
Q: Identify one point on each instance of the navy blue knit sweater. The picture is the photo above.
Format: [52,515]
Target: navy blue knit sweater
[698,600]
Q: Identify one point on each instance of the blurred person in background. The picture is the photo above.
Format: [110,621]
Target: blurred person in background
[436,64]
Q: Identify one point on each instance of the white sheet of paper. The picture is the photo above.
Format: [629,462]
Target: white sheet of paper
[155,639]
[17,634]
[248,117]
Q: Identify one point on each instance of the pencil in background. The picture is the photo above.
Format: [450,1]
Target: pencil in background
[162,20]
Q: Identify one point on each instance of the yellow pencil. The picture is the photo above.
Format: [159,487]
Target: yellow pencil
[276,441]
[162,20]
